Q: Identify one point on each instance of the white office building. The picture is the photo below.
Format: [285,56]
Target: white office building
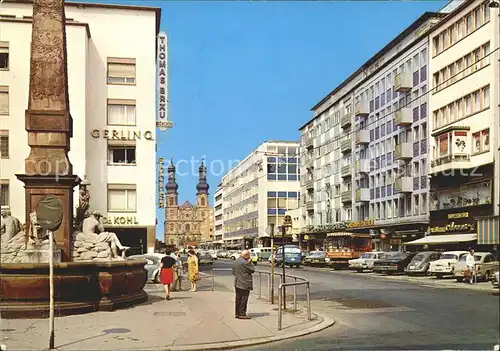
[364,153]
[258,191]
[218,217]
[111,52]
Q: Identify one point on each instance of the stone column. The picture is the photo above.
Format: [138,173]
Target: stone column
[48,121]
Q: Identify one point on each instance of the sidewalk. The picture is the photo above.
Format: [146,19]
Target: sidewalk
[190,321]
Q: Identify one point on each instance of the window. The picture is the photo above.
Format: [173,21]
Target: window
[121,154]
[486,97]
[4,192]
[4,144]
[4,100]
[122,198]
[121,112]
[121,71]
[4,55]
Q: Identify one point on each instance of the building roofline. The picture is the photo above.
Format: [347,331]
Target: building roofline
[281,141]
[30,20]
[157,10]
[448,16]
[411,28]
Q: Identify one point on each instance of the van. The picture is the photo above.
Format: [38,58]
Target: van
[293,256]
[262,252]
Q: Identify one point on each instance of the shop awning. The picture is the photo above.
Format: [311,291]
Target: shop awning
[487,231]
[443,239]
[352,235]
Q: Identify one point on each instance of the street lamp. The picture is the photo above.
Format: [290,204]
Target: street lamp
[494,4]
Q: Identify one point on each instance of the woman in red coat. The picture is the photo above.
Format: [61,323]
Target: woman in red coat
[167,273]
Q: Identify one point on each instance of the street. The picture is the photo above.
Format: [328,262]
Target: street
[379,314]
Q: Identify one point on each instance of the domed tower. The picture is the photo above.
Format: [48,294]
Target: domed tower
[171,186]
[202,186]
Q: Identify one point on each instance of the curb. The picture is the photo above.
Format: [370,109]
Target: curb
[325,322]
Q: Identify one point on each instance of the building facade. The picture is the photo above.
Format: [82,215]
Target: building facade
[218,217]
[112,102]
[258,191]
[464,128]
[365,151]
[187,224]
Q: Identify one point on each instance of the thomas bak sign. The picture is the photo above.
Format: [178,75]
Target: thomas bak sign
[162,121]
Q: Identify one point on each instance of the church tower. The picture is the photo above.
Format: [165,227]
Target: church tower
[172,194]
[202,187]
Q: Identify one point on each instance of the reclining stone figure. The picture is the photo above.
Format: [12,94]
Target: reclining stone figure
[93,231]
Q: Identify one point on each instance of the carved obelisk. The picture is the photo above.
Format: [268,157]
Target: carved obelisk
[48,121]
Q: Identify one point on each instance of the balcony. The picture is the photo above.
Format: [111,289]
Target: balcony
[346,120]
[362,109]
[363,195]
[450,162]
[310,205]
[403,82]
[363,166]
[309,183]
[345,171]
[363,136]
[309,143]
[403,117]
[346,145]
[403,151]
[346,196]
[404,185]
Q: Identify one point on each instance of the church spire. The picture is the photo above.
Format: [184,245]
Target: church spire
[202,186]
[171,185]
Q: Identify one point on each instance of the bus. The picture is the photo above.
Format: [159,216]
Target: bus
[342,247]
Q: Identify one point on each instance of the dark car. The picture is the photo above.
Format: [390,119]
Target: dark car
[393,262]
[315,258]
[420,263]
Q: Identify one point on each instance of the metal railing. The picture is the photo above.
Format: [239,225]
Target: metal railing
[298,281]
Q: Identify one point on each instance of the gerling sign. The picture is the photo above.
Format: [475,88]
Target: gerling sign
[162,121]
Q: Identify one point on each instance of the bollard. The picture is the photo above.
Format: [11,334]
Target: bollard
[213,280]
[308,297]
[260,285]
[279,307]
[295,296]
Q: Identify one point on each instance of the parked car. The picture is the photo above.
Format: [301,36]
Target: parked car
[486,266]
[213,253]
[393,262]
[315,258]
[495,280]
[365,261]
[234,255]
[152,266]
[446,263]
[222,254]
[205,257]
[421,262]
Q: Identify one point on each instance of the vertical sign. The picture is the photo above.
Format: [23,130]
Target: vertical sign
[161,194]
[162,122]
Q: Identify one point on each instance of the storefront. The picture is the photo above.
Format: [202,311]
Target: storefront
[488,235]
[130,233]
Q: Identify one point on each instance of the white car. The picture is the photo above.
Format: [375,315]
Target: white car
[235,255]
[486,266]
[446,264]
[365,261]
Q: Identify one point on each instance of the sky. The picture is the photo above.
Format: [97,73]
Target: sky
[241,73]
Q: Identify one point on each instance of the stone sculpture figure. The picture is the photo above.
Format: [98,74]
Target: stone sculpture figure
[93,231]
[82,208]
[10,226]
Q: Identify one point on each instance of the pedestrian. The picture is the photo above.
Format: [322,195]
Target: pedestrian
[243,283]
[470,263]
[193,271]
[178,271]
[167,273]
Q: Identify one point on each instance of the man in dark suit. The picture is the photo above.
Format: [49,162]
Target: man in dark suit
[242,271]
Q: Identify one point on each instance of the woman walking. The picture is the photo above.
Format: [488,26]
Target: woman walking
[193,272]
[167,273]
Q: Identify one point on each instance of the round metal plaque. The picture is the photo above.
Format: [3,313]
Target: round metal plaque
[49,213]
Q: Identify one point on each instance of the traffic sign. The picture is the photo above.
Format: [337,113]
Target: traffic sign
[287,221]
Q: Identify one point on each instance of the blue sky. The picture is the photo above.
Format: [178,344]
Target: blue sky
[244,72]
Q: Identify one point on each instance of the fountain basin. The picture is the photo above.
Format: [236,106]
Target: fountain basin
[79,287]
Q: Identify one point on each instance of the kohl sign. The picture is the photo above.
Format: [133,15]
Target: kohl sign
[162,122]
